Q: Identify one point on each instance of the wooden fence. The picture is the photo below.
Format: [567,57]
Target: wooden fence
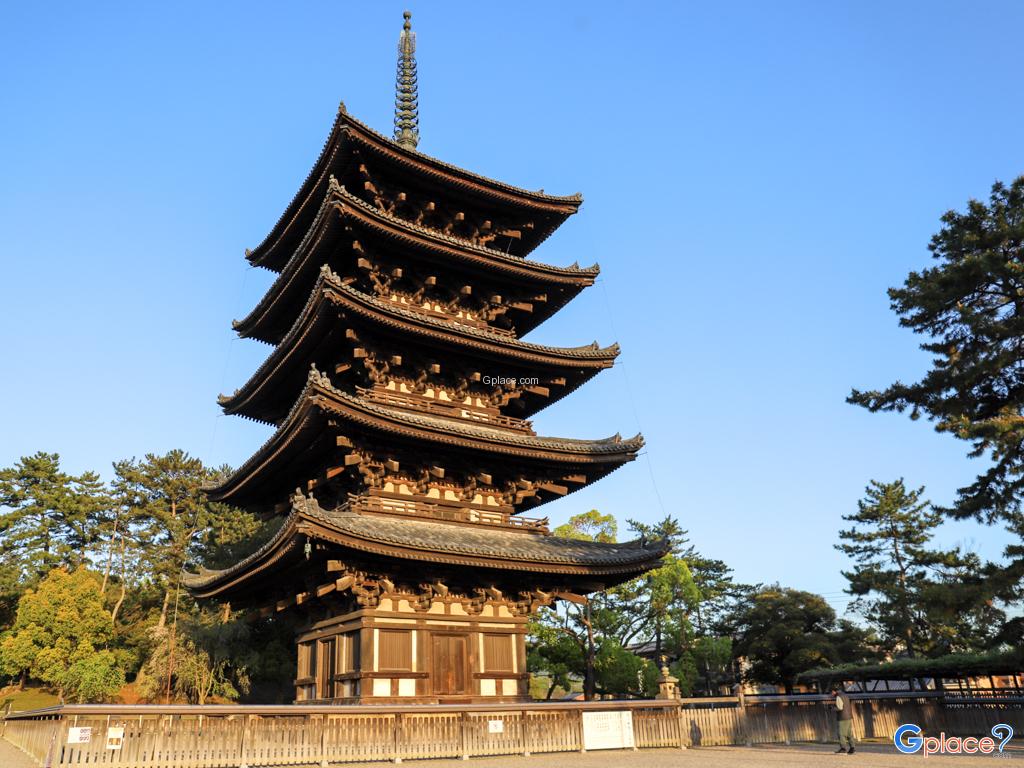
[248,736]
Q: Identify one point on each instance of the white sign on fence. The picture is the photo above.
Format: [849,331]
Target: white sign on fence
[608,730]
[79,735]
[115,737]
[495,726]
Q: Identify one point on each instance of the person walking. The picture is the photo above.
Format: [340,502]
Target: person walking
[844,716]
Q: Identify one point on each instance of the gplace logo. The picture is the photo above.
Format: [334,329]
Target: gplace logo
[909,741]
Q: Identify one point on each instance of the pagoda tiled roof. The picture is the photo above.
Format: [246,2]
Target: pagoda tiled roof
[438,542]
[331,292]
[347,127]
[339,201]
[319,395]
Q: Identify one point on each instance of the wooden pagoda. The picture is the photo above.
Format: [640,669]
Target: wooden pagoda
[403,460]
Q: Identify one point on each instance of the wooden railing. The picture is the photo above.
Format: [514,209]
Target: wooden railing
[395,505]
[451,410]
[229,736]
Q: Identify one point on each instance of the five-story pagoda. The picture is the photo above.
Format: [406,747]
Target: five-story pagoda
[403,460]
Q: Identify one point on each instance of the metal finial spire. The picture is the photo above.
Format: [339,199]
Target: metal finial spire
[407,114]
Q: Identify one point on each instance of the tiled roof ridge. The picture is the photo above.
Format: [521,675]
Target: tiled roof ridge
[573,551]
[440,537]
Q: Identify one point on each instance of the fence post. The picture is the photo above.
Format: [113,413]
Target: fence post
[741,716]
[397,738]
[680,725]
[524,732]
[323,741]
[245,742]
[464,729]
[53,741]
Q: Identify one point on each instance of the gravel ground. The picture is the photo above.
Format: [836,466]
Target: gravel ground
[818,755]
[874,755]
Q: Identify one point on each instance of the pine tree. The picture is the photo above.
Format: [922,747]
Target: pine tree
[50,518]
[923,600]
[970,309]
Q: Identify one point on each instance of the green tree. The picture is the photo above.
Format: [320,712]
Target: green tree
[198,670]
[583,639]
[172,526]
[173,523]
[49,518]
[60,636]
[970,309]
[913,594]
[782,632]
[589,526]
[716,589]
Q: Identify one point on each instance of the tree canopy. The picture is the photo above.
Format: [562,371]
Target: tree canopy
[970,309]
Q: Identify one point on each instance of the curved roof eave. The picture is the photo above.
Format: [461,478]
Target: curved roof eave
[329,287]
[319,393]
[345,125]
[436,542]
[338,199]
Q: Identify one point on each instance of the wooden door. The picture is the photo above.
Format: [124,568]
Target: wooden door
[450,665]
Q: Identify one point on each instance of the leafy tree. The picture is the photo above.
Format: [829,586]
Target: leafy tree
[970,308]
[589,526]
[621,671]
[11,588]
[711,661]
[577,639]
[782,632]
[60,636]
[670,598]
[198,671]
[713,579]
[555,652]
[919,598]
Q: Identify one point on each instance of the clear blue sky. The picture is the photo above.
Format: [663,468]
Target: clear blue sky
[755,176]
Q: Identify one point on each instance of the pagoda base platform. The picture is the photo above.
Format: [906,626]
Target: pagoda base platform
[407,649]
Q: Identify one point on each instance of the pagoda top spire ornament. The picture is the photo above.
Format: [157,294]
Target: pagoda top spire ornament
[407,116]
